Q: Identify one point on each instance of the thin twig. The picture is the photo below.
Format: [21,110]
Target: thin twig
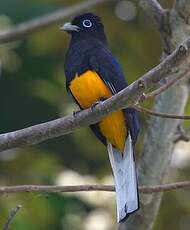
[21,30]
[12,214]
[87,188]
[126,97]
[158,114]
[170,82]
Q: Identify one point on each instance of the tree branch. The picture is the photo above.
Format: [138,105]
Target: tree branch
[12,214]
[158,146]
[87,188]
[126,97]
[163,115]
[21,30]
[169,83]
[154,10]
[183,9]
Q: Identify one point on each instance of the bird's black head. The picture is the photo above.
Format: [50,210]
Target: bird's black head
[86,25]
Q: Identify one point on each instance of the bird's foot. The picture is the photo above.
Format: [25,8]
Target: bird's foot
[75,113]
[102,99]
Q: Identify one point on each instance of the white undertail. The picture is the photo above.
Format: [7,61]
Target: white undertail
[123,166]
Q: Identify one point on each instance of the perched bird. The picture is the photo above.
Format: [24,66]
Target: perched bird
[93,75]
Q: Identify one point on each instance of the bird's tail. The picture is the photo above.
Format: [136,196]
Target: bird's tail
[123,166]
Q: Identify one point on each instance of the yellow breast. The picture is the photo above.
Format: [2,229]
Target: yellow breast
[89,88]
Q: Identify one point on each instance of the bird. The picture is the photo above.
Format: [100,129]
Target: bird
[93,75]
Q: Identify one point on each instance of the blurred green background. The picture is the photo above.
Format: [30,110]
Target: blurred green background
[32,90]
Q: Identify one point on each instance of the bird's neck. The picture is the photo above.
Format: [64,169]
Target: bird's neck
[75,38]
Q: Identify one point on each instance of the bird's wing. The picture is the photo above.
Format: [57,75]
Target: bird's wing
[103,62]
[108,68]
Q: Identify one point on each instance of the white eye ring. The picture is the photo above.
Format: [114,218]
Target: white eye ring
[87,23]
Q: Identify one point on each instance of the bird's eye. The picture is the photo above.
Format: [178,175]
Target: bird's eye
[87,23]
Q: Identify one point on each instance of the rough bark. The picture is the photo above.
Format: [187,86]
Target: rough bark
[158,145]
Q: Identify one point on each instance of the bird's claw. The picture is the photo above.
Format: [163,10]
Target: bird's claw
[98,102]
[75,113]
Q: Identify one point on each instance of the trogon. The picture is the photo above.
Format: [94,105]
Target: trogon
[93,75]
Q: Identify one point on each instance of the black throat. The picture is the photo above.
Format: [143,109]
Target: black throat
[79,36]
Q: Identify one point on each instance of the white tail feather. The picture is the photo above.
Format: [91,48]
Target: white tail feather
[124,172]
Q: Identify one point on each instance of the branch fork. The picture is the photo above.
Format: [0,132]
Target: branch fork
[125,98]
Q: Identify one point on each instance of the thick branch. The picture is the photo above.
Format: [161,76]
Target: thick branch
[25,28]
[154,162]
[124,98]
[183,9]
[86,188]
